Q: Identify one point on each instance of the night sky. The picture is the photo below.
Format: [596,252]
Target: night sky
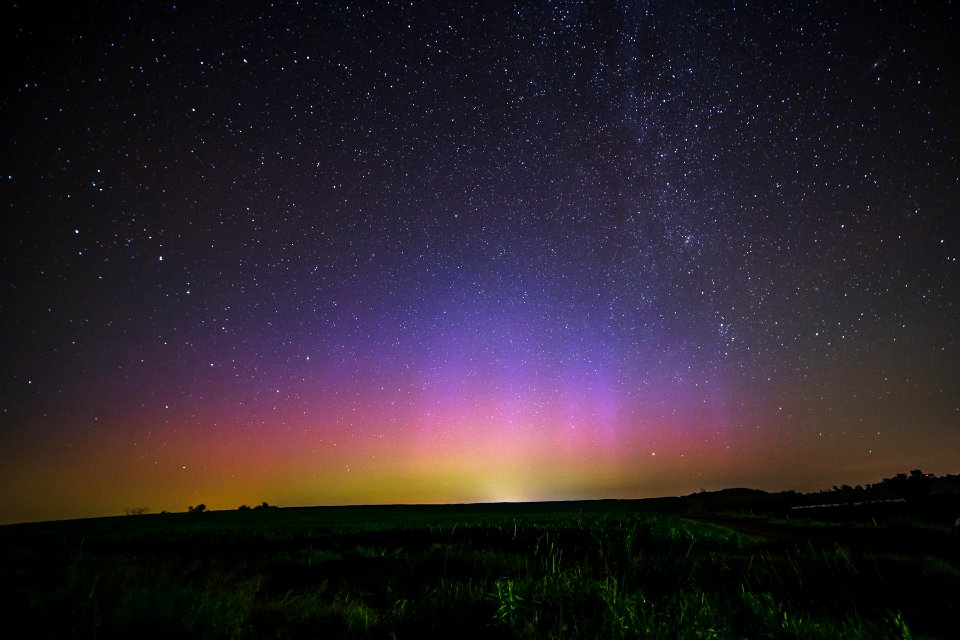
[337,253]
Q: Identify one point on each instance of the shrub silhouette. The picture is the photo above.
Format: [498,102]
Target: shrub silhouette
[200,508]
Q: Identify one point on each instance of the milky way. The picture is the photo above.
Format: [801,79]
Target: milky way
[432,252]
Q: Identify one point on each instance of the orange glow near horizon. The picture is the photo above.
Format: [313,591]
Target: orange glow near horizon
[471,461]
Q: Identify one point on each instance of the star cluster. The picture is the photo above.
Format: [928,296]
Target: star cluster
[429,252]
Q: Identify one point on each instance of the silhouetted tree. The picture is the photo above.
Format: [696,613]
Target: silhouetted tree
[200,508]
[136,511]
[897,485]
[918,485]
[243,507]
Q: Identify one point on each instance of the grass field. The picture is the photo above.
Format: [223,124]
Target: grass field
[548,570]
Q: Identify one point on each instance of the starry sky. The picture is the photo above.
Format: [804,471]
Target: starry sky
[381,252]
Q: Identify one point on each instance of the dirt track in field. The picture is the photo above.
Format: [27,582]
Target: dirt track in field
[888,539]
[774,530]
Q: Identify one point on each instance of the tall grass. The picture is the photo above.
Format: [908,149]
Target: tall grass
[485,574]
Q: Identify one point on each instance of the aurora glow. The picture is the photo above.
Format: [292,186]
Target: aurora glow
[421,252]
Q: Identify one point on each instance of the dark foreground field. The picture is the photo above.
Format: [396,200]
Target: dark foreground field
[562,570]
